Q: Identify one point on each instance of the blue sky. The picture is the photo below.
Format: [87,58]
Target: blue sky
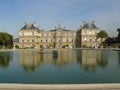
[49,13]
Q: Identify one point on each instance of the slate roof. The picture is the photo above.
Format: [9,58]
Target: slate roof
[59,28]
[29,26]
[89,26]
[16,40]
[56,30]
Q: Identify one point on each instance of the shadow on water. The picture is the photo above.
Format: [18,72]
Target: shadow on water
[5,58]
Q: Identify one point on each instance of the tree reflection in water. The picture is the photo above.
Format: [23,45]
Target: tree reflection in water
[5,58]
[103,60]
[119,56]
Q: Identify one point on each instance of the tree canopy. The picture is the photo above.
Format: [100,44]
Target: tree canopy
[102,34]
[118,38]
[6,40]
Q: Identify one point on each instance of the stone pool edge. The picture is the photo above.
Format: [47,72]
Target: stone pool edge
[113,86]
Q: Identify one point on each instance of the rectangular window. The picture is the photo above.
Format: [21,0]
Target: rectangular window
[23,34]
[77,40]
[49,34]
[72,40]
[67,40]
[33,33]
[90,40]
[66,34]
[32,40]
[95,39]
[27,40]
[22,45]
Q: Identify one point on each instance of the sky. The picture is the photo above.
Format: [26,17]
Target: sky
[49,13]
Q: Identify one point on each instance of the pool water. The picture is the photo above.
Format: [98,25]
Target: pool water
[68,67]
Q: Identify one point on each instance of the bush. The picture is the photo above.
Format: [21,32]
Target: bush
[84,46]
[16,46]
[64,46]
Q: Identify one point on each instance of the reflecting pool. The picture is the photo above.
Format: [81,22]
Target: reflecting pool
[68,67]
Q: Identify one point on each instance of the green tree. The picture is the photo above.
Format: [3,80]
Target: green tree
[16,46]
[6,40]
[118,38]
[102,34]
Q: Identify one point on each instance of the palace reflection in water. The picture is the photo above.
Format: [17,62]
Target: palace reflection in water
[30,60]
[86,59]
[90,59]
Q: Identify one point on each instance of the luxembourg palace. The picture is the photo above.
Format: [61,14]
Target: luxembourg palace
[30,36]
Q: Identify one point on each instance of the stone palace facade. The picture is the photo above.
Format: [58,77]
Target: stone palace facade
[31,36]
